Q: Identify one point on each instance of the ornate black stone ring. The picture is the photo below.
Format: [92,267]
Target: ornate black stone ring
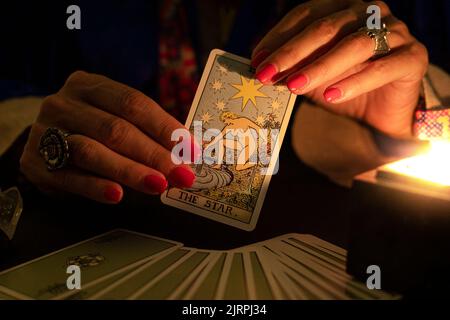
[54,148]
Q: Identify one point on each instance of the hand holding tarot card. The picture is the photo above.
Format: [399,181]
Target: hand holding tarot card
[241,125]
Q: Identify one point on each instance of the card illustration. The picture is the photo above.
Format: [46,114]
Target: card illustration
[249,121]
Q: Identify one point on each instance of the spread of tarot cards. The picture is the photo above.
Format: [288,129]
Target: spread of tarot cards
[230,101]
[123,264]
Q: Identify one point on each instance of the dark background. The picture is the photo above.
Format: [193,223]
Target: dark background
[119,38]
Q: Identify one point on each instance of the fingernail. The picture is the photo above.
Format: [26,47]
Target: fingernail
[260,57]
[266,74]
[181,177]
[112,194]
[297,82]
[155,183]
[332,94]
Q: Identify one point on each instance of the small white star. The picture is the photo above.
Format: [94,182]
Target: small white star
[206,117]
[260,120]
[220,105]
[223,69]
[217,85]
[280,89]
[275,105]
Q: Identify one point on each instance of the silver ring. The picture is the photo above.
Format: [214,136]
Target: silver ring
[380,38]
[54,148]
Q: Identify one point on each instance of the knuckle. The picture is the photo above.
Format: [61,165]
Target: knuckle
[321,69]
[358,42]
[419,50]
[51,105]
[324,27]
[114,132]
[401,27]
[131,103]
[77,77]
[419,53]
[119,173]
[151,158]
[379,67]
[351,14]
[165,130]
[288,54]
[300,10]
[83,153]
[384,8]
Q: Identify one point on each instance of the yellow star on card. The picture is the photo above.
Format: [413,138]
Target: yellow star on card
[248,90]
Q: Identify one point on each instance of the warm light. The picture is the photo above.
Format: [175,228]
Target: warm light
[433,166]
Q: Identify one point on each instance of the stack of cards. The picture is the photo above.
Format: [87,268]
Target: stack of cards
[127,265]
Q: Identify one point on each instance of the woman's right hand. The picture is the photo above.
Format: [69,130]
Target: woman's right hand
[119,137]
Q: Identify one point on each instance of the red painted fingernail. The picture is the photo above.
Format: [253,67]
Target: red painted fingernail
[266,74]
[155,183]
[332,94]
[112,194]
[297,82]
[181,177]
[260,57]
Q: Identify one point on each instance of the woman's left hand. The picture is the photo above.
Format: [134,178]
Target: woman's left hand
[320,52]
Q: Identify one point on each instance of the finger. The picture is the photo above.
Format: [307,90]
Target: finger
[69,180]
[117,134]
[293,23]
[309,44]
[400,65]
[349,53]
[127,103]
[92,156]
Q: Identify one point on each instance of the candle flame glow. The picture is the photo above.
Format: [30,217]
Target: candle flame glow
[432,167]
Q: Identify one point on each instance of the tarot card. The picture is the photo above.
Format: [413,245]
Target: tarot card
[167,282]
[240,124]
[291,286]
[98,288]
[259,287]
[336,263]
[257,284]
[4,296]
[235,287]
[323,245]
[144,276]
[321,273]
[306,275]
[8,294]
[204,266]
[207,283]
[98,258]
